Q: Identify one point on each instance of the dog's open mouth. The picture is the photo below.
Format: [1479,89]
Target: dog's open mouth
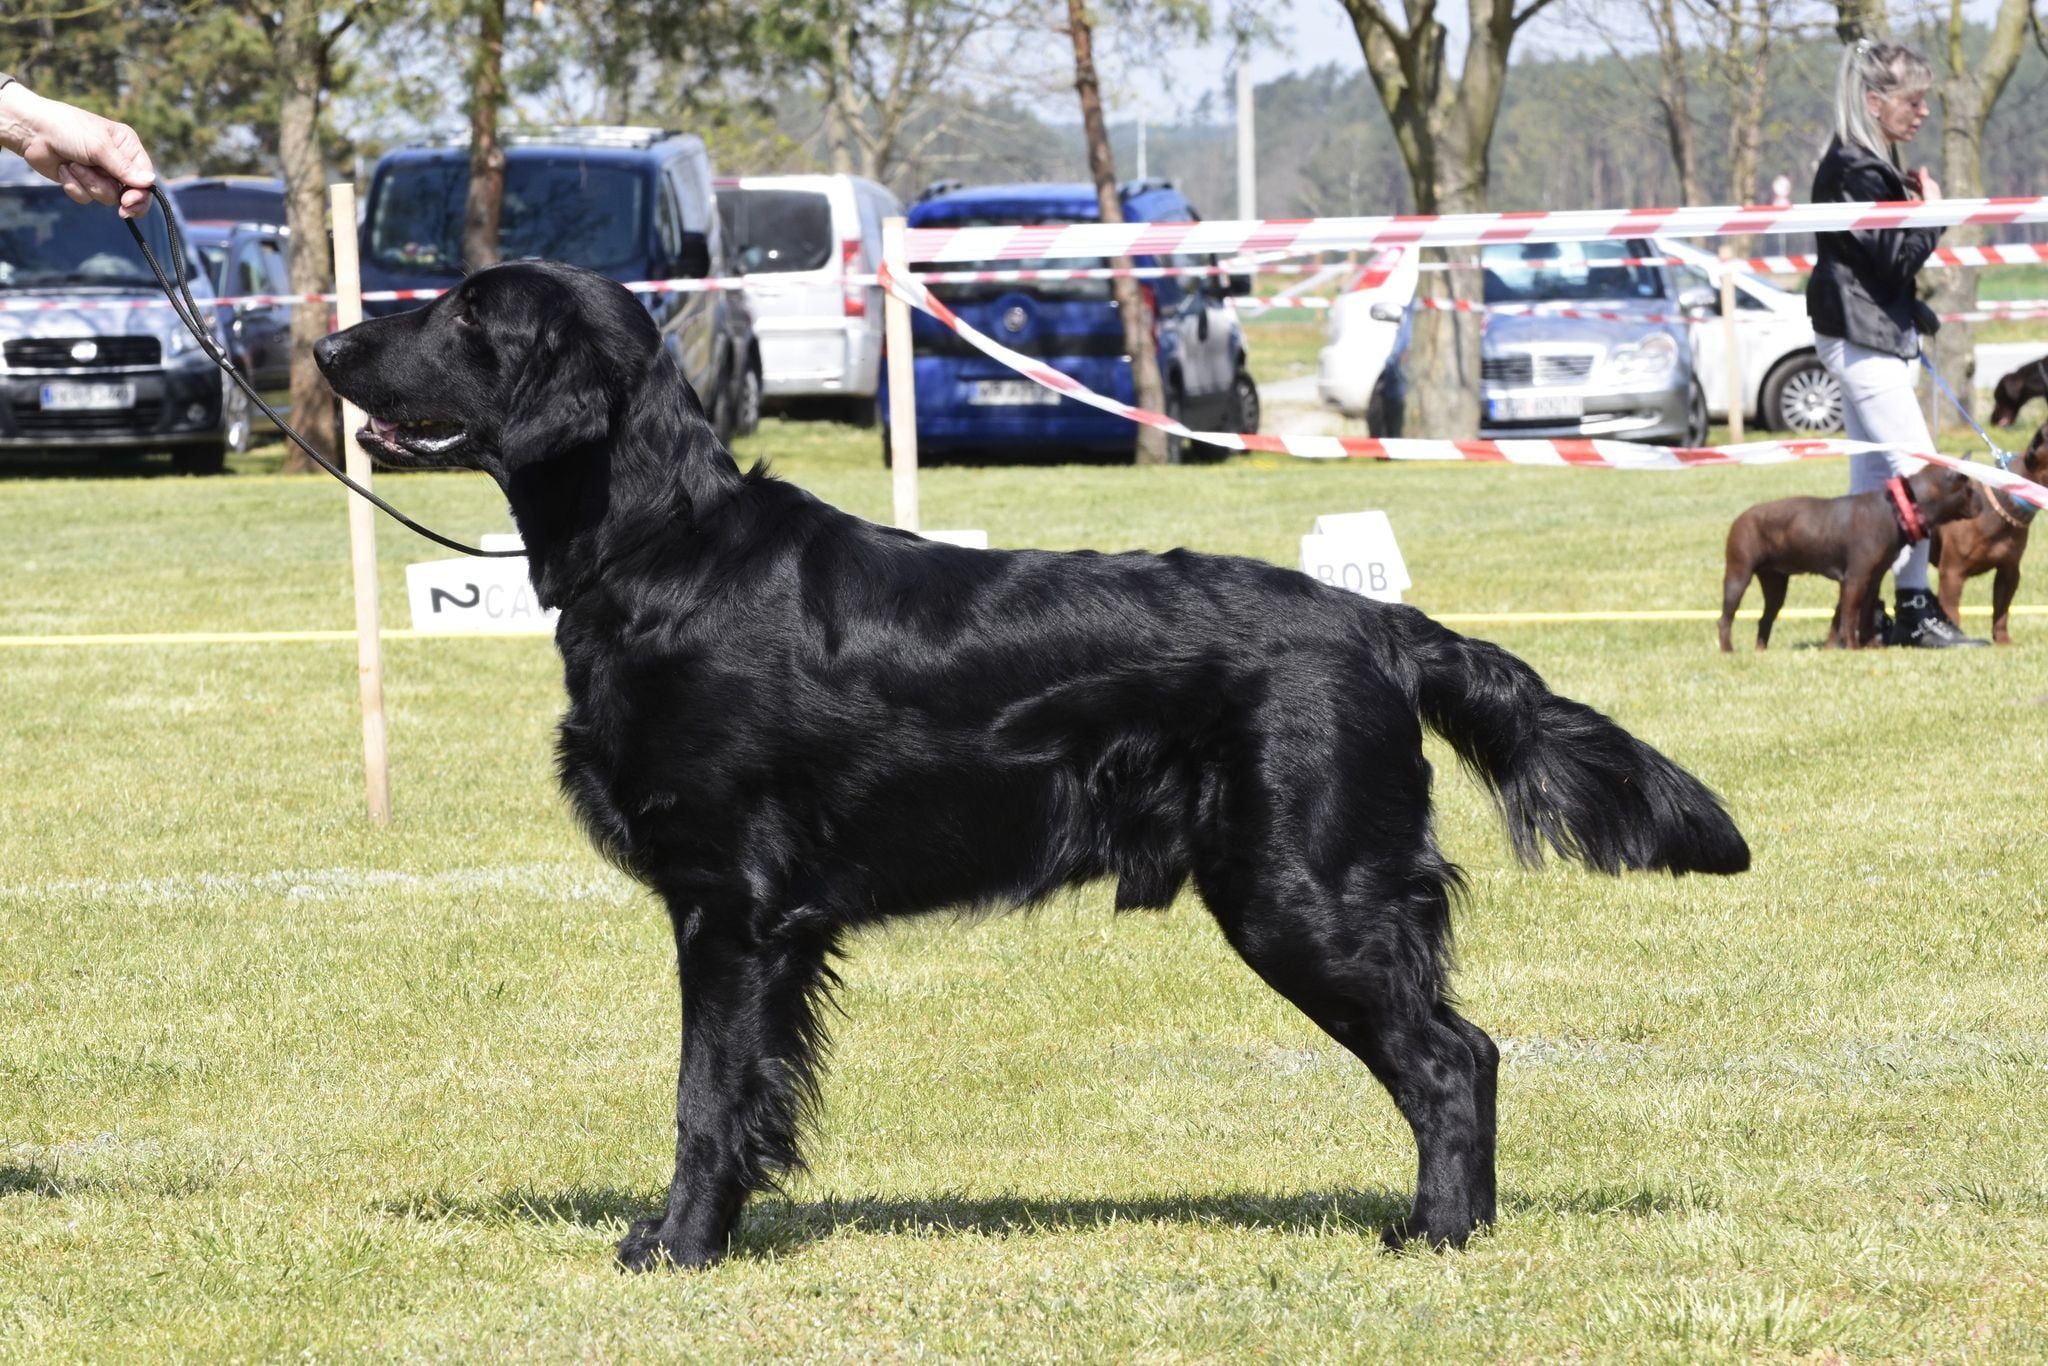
[429,436]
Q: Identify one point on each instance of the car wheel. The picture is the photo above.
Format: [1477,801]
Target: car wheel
[210,459]
[1382,411]
[747,417]
[1801,396]
[238,416]
[1244,403]
[1176,408]
[1697,420]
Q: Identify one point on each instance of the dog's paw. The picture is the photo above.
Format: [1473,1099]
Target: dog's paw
[646,1247]
[1406,1233]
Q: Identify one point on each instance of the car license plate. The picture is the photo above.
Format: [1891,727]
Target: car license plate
[1536,407]
[86,398]
[1012,392]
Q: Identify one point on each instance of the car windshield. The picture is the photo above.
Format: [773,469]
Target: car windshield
[780,230]
[1044,289]
[1570,272]
[46,240]
[557,208]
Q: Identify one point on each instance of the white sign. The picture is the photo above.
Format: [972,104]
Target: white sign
[450,596]
[1356,551]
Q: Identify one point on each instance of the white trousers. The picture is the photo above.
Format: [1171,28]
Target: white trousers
[1878,404]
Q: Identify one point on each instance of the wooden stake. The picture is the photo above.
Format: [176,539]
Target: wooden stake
[1732,338]
[902,380]
[362,525]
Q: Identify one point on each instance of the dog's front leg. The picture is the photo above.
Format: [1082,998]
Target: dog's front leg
[748,1057]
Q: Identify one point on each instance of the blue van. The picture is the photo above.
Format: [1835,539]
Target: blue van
[967,402]
[631,203]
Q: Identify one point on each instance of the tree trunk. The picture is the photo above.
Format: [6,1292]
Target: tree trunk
[1674,99]
[1130,300]
[486,157]
[1444,129]
[1967,91]
[842,108]
[301,58]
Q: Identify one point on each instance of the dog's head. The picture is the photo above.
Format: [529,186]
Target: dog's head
[1944,495]
[2034,463]
[2014,389]
[521,363]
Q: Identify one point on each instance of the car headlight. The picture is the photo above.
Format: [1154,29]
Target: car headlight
[180,341]
[1649,361]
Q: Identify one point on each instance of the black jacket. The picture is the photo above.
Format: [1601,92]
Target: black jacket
[1862,290]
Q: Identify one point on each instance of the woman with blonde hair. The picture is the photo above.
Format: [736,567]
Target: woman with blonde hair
[1867,319]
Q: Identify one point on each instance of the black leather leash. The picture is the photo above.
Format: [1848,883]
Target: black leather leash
[188,310]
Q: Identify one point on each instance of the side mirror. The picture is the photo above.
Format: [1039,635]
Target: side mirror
[1699,301]
[1237,286]
[694,262]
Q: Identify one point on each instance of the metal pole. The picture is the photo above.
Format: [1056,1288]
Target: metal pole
[1731,338]
[362,525]
[1247,174]
[902,380]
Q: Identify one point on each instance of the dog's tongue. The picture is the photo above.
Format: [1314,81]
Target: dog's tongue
[384,430]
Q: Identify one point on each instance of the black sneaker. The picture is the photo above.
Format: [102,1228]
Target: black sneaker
[1922,623]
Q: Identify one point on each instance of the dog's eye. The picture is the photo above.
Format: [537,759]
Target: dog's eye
[463,316]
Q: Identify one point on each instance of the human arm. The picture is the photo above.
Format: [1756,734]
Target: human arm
[1891,256]
[93,158]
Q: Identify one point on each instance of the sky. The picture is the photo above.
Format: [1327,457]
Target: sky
[1312,33]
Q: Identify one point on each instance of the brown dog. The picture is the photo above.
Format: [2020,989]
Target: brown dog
[1994,539]
[2030,381]
[1852,540]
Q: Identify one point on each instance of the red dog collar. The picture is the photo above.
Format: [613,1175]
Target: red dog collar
[1906,510]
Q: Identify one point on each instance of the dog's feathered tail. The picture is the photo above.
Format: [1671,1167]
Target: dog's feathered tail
[1564,775]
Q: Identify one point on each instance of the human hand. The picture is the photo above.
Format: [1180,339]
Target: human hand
[1930,188]
[93,158]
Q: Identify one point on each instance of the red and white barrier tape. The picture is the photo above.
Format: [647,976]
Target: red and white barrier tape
[1998,254]
[1466,229]
[1597,454]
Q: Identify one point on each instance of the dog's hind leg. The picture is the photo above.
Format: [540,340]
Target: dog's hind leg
[1733,586]
[1771,583]
[750,1042]
[1339,900]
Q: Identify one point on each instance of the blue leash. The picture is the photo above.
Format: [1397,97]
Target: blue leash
[2000,456]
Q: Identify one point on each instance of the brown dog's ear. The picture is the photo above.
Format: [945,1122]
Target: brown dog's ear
[561,401]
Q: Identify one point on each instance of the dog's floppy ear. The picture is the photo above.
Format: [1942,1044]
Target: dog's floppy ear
[561,399]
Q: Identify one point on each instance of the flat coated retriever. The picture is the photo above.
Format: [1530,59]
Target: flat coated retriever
[789,722]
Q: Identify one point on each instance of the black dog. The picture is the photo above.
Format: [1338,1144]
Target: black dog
[790,722]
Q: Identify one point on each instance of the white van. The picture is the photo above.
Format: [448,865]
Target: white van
[800,237]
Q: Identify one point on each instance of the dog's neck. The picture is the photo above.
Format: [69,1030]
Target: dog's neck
[638,491]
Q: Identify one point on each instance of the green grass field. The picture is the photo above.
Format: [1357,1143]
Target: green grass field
[276,1084]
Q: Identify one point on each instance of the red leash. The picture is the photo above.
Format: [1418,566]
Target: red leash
[1906,510]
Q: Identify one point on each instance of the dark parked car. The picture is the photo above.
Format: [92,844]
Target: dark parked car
[256,260]
[630,203]
[967,402]
[98,363]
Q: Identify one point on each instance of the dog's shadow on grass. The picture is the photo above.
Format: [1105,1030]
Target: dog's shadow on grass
[778,1224]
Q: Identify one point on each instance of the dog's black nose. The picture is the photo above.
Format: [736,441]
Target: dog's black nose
[327,351]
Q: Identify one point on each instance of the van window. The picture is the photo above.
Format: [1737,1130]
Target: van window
[693,192]
[561,208]
[786,230]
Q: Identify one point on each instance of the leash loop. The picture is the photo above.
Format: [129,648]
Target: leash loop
[188,310]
